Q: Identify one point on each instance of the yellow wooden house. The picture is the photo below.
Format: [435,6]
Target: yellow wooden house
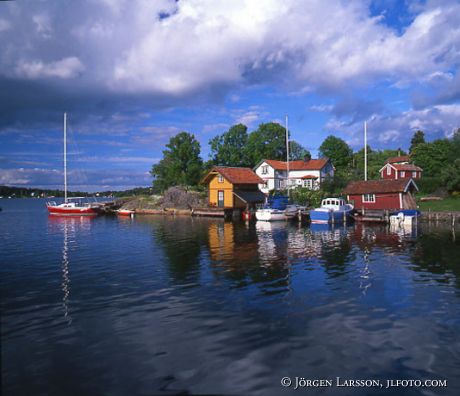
[231,187]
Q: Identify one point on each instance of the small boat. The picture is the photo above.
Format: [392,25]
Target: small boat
[404,217]
[71,206]
[332,210]
[125,212]
[277,208]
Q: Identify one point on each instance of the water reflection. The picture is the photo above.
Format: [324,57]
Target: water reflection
[264,252]
[69,227]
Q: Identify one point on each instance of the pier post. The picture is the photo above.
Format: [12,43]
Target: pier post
[344,217]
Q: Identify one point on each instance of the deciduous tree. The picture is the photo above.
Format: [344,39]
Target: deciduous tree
[338,151]
[181,163]
[418,138]
[229,149]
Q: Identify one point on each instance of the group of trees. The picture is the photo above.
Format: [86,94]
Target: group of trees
[182,164]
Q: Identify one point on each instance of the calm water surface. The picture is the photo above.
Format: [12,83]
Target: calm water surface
[155,305]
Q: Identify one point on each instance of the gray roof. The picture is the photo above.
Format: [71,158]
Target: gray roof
[250,196]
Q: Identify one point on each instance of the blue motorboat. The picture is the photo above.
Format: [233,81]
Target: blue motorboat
[332,210]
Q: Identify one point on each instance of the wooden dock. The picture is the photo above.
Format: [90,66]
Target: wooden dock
[372,216]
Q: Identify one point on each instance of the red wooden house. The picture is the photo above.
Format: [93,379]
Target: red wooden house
[399,168]
[382,194]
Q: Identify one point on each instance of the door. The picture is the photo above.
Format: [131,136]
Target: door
[220,199]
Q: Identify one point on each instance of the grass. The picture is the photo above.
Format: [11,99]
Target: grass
[449,204]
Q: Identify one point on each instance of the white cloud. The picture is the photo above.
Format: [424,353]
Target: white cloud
[249,118]
[321,108]
[43,25]
[65,68]
[201,43]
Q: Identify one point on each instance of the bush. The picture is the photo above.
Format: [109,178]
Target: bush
[306,197]
[429,185]
[334,185]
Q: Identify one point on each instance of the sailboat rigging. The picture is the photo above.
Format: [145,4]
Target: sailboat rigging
[71,206]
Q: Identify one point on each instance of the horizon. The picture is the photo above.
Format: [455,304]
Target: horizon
[132,74]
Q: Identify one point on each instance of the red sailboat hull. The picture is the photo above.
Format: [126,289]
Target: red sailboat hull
[75,211]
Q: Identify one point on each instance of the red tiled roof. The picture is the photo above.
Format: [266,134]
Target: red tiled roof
[401,158]
[235,175]
[377,186]
[407,167]
[313,164]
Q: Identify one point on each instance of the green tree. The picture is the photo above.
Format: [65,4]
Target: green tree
[181,163]
[268,141]
[418,138]
[338,151]
[455,146]
[298,152]
[228,149]
[450,176]
[432,157]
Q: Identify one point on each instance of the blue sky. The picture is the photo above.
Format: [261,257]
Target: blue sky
[131,74]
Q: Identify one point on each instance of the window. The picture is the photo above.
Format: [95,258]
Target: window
[265,184]
[388,170]
[368,197]
[220,179]
[403,173]
[277,184]
[414,174]
[308,183]
[265,170]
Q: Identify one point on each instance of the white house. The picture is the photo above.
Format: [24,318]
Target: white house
[302,173]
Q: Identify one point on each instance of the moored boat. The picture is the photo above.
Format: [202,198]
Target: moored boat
[277,208]
[125,212]
[71,206]
[332,210]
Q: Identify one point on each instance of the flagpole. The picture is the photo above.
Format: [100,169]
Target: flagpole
[287,155]
[365,150]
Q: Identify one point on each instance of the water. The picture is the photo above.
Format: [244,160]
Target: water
[157,305]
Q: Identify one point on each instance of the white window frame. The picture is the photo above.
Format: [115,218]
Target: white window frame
[388,170]
[368,198]
[264,170]
[403,174]
[308,183]
[414,174]
[220,179]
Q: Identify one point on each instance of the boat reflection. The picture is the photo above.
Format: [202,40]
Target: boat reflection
[69,227]
[267,252]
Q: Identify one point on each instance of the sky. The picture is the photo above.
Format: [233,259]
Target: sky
[132,73]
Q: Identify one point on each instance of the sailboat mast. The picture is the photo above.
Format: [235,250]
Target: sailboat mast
[65,157]
[365,150]
[287,155]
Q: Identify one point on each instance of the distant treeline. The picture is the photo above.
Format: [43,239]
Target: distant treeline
[22,192]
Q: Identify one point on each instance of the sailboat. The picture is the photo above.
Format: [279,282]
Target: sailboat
[71,206]
[278,207]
